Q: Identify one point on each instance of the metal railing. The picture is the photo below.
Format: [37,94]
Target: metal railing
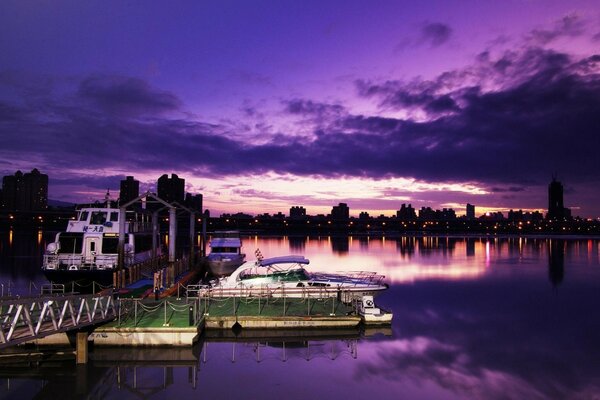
[26,319]
[134,311]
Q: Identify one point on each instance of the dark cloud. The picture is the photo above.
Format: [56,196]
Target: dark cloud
[126,95]
[509,120]
[511,189]
[396,95]
[308,107]
[435,34]
[571,25]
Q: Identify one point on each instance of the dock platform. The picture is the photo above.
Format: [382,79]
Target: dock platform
[179,322]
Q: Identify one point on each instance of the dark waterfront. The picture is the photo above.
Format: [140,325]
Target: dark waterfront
[485,318]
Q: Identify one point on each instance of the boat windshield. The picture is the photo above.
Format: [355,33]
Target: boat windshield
[98,218]
[70,243]
[293,275]
[225,249]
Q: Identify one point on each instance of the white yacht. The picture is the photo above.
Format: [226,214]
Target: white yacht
[286,277]
[88,249]
[225,253]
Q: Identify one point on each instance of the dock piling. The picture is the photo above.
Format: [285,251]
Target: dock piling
[82,347]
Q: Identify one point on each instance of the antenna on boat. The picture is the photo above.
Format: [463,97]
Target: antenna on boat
[258,255]
[107,198]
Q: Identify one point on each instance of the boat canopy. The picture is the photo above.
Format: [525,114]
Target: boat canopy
[293,259]
[225,242]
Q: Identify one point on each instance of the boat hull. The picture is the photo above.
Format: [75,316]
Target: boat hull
[344,294]
[223,266]
[81,280]
[382,318]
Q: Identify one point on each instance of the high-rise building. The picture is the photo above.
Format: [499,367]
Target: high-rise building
[130,189]
[35,190]
[341,212]
[297,212]
[194,201]
[171,189]
[406,213]
[25,192]
[470,211]
[556,209]
[11,187]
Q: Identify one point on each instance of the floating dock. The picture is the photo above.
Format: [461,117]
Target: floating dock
[179,322]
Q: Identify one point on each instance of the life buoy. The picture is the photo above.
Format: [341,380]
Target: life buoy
[369,303]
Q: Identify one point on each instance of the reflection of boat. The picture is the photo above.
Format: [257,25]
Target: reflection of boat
[371,314]
[286,277]
[88,250]
[225,253]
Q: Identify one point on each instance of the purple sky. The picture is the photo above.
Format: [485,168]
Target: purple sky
[261,105]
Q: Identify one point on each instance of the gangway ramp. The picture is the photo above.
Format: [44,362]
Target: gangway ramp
[26,319]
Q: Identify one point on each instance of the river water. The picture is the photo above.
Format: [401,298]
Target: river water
[474,318]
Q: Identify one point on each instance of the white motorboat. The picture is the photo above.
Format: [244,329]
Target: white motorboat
[286,277]
[88,250]
[225,253]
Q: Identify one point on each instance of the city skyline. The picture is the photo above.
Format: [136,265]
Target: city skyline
[172,189]
[265,105]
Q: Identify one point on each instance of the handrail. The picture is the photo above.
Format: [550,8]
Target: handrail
[27,319]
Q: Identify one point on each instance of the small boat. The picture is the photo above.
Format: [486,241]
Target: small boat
[371,314]
[286,277]
[88,250]
[225,253]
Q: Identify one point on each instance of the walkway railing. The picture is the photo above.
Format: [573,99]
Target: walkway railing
[139,312]
[26,319]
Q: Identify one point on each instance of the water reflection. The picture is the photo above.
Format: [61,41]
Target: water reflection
[156,372]
[340,244]
[475,341]
[474,317]
[297,244]
[556,261]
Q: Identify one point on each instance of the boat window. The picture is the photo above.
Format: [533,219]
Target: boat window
[110,245]
[83,216]
[98,218]
[224,249]
[93,246]
[114,216]
[71,243]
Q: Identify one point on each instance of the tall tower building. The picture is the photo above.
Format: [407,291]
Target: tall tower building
[35,191]
[130,189]
[11,185]
[556,209]
[194,201]
[470,211]
[341,212]
[171,189]
[25,192]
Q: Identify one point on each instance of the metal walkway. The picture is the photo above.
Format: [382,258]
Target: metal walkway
[27,319]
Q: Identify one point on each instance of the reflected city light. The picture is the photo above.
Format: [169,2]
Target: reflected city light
[39,237]
[10,237]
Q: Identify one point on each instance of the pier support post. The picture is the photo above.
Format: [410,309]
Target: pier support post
[155,234]
[172,234]
[121,246]
[82,347]
[192,231]
[205,217]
